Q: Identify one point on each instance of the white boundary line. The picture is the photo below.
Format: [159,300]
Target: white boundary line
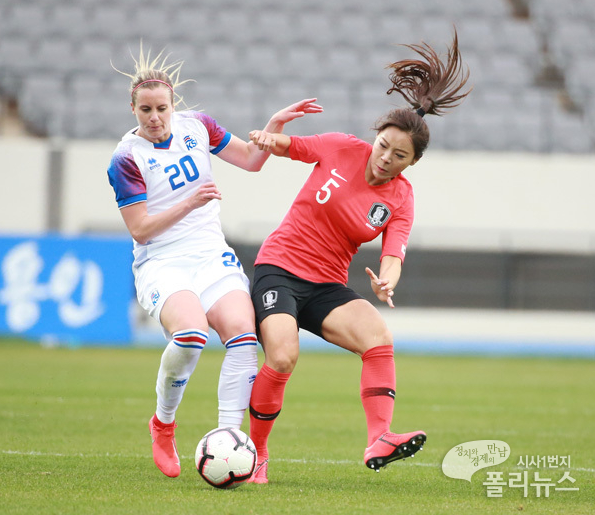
[410,461]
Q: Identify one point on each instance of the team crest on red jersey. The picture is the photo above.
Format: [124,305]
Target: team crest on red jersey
[378,214]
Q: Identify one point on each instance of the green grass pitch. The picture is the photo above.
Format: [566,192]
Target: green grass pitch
[74,436]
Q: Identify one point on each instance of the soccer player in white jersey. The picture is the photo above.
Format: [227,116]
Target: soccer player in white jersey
[186,276]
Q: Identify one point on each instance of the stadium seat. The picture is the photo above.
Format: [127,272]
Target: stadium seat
[547,13]
[437,31]
[312,46]
[53,55]
[219,60]
[191,25]
[570,37]
[356,31]
[68,21]
[24,20]
[509,70]
[313,30]
[570,133]
[231,26]
[273,26]
[518,36]
[15,61]
[260,60]
[465,9]
[284,92]
[42,103]
[343,63]
[477,35]
[109,22]
[579,77]
[154,24]
[93,56]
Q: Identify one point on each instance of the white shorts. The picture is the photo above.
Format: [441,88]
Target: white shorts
[210,275]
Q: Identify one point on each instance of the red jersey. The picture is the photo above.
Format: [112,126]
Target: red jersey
[337,210]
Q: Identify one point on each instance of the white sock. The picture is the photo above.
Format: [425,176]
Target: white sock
[238,372]
[177,364]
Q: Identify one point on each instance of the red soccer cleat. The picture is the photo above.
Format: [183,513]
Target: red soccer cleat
[260,473]
[165,453]
[391,447]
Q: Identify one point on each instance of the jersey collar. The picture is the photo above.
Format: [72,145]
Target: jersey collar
[164,145]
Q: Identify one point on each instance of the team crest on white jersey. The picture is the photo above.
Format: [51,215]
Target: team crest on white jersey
[155,297]
[190,142]
[378,214]
[269,299]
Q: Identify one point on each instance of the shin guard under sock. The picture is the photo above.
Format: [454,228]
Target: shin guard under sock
[377,389]
[265,406]
[177,364]
[238,373]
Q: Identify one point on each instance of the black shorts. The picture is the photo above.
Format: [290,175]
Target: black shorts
[275,290]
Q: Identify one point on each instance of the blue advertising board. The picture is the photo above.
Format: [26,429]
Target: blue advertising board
[66,290]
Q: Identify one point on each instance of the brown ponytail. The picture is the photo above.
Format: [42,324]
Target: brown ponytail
[429,86]
[432,86]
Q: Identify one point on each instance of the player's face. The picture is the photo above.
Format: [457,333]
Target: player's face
[153,110]
[392,152]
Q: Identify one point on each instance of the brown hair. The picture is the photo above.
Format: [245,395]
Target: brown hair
[429,86]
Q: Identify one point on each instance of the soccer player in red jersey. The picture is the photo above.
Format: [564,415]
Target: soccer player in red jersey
[355,193]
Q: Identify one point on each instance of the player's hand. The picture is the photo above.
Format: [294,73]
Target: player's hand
[205,193]
[297,110]
[381,288]
[263,140]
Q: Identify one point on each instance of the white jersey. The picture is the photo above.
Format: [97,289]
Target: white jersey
[163,174]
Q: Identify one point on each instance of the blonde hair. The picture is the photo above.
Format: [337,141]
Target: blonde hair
[150,72]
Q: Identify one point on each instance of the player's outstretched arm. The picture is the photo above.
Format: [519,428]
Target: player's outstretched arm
[291,112]
[384,284]
[251,157]
[275,143]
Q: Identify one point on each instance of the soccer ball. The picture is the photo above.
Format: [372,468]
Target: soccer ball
[225,457]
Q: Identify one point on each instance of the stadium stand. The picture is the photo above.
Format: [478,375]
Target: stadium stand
[531,64]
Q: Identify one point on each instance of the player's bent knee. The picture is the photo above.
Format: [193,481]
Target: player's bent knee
[284,363]
[384,337]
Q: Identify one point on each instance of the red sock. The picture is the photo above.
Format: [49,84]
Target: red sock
[265,405]
[377,389]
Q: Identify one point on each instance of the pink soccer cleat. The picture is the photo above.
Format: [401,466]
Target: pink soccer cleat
[391,447]
[165,453]
[260,473]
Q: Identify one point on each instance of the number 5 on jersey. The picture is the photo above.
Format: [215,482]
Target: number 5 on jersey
[326,190]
